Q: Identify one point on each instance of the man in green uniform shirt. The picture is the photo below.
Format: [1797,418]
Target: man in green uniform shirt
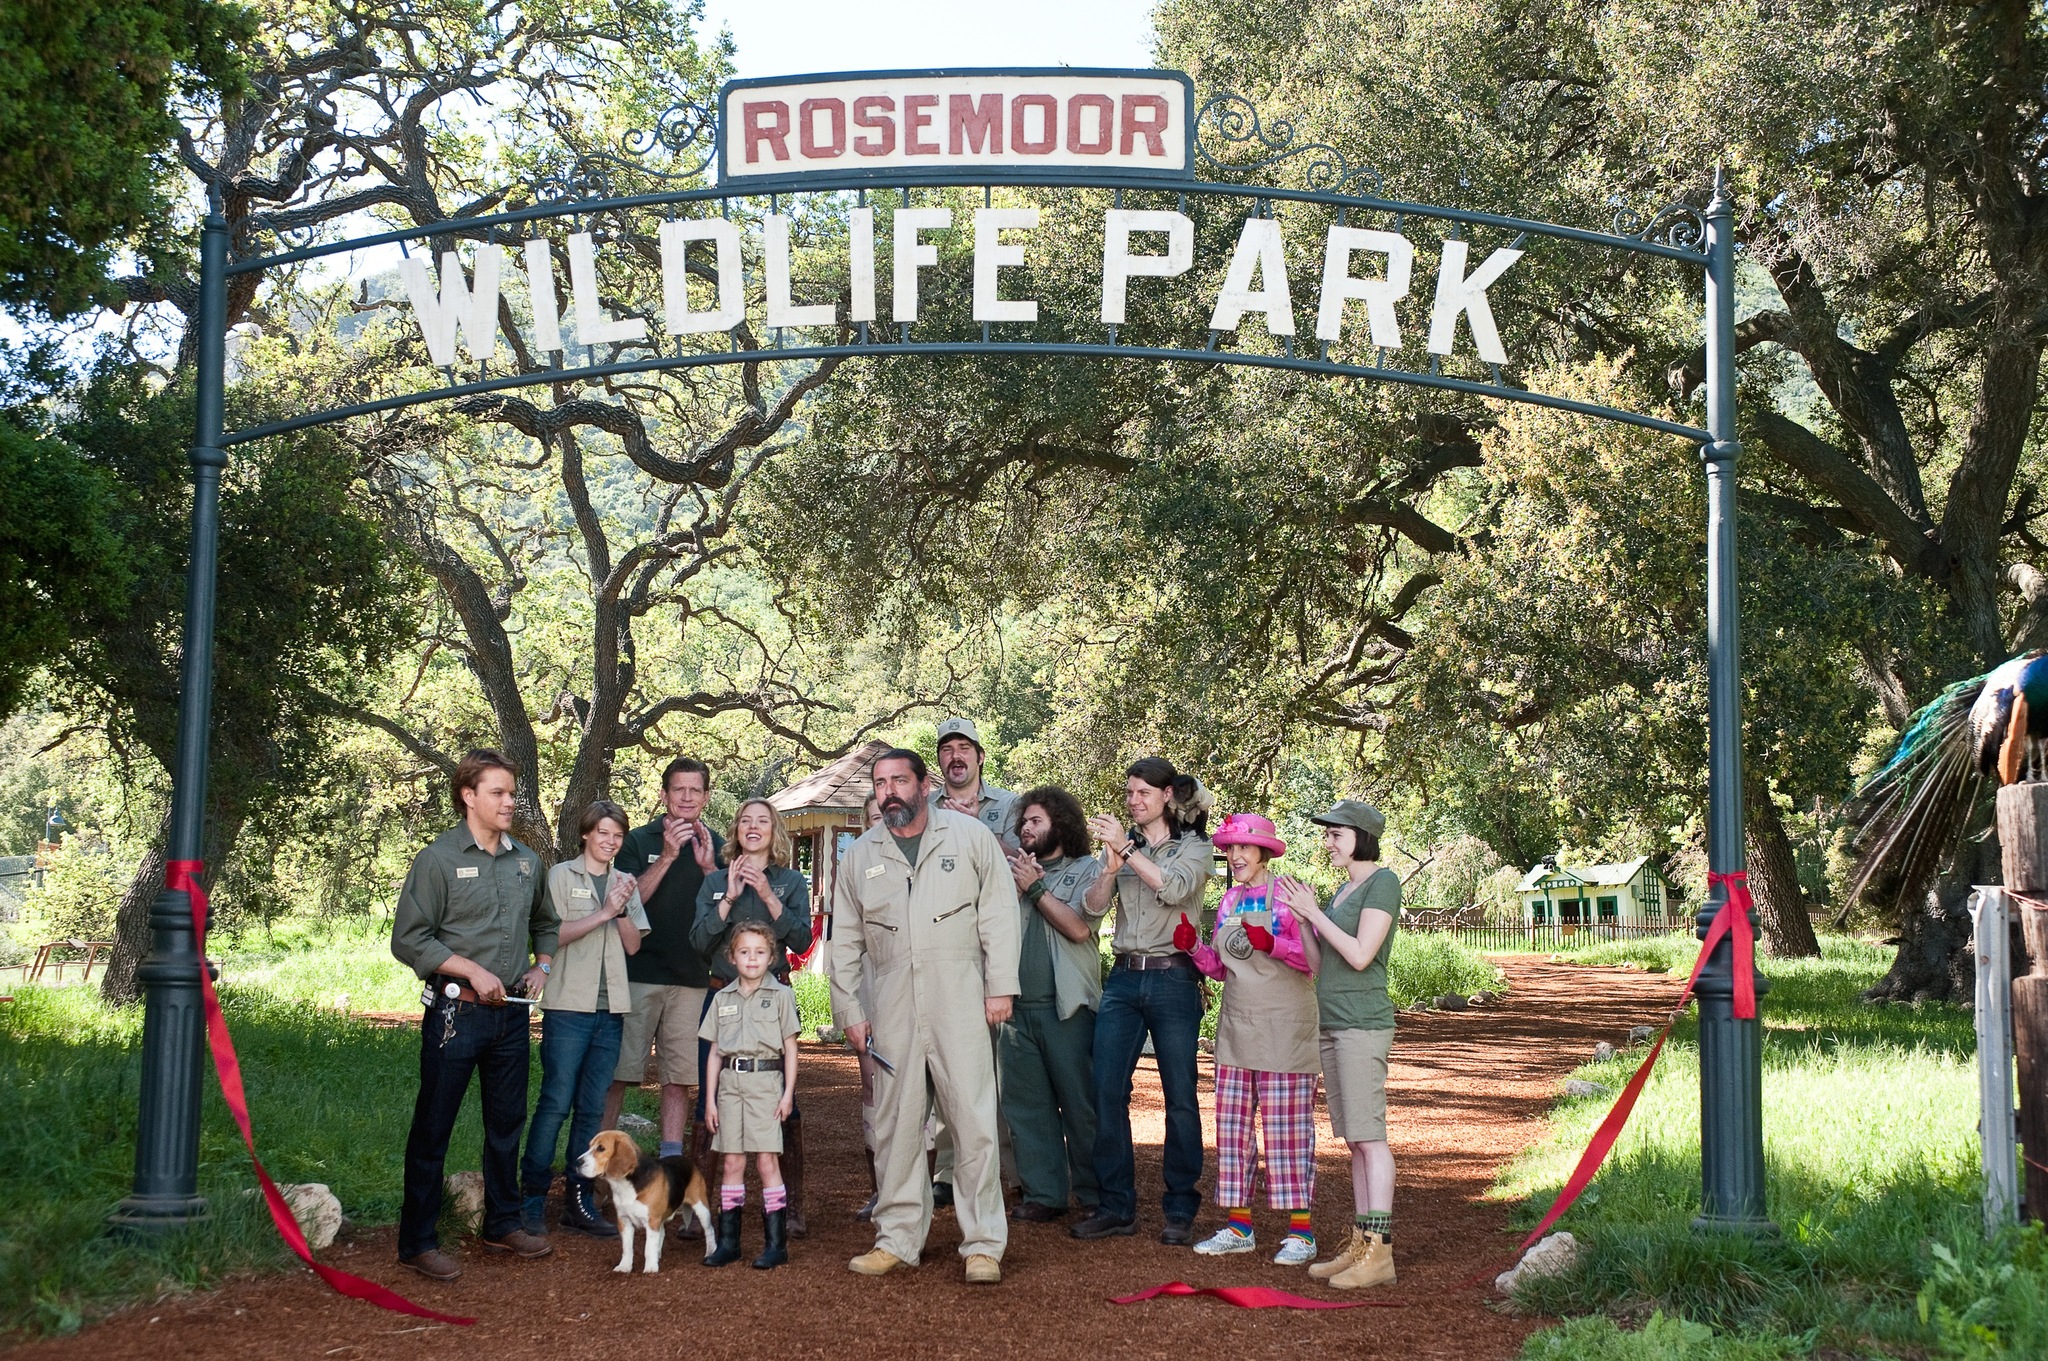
[472,904]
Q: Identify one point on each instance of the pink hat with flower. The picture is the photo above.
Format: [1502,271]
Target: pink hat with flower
[1249,829]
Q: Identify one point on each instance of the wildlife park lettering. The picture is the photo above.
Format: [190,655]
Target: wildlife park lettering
[1364,279]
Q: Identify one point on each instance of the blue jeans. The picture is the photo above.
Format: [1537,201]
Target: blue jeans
[578,1051]
[489,1044]
[1168,1004]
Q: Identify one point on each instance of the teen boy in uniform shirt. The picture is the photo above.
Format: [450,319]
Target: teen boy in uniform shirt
[472,904]
[669,858]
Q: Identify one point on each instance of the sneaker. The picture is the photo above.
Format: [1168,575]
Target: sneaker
[1103,1224]
[1226,1241]
[1295,1251]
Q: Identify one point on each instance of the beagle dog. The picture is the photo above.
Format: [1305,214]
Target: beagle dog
[645,1193]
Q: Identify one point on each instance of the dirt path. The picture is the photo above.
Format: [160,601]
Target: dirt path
[1468,1090]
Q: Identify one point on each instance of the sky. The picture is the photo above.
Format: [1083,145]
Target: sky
[797,37]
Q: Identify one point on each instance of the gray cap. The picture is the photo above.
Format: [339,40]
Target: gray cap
[960,727]
[1354,813]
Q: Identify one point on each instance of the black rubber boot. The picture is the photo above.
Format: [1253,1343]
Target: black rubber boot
[728,1250]
[579,1210]
[776,1252]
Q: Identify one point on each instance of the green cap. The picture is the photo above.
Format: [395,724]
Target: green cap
[1354,813]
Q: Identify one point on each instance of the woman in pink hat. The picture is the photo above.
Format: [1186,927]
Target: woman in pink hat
[1266,1038]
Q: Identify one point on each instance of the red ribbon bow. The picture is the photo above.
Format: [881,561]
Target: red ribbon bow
[183,876]
[1731,921]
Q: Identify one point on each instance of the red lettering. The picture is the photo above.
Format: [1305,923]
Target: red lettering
[916,117]
[975,124]
[807,128]
[1048,127]
[775,134]
[864,111]
[1152,129]
[1105,125]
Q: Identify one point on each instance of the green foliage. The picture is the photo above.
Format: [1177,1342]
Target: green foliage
[1661,1338]
[88,139]
[1871,1159]
[813,1001]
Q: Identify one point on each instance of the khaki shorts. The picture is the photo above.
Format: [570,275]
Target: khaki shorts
[664,1018]
[1355,1083]
[746,1113]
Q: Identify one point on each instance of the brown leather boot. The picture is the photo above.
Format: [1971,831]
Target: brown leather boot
[700,1158]
[793,1173]
[867,1212]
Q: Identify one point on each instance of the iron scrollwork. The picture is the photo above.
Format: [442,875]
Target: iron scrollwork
[686,131]
[1676,224]
[1232,120]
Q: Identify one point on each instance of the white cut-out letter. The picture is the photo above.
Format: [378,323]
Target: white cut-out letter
[540,284]
[1259,251]
[860,264]
[782,312]
[1457,291]
[592,326]
[675,277]
[475,310]
[990,255]
[1379,295]
[1119,266]
[912,255]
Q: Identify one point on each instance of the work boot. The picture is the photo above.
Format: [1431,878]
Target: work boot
[700,1158]
[579,1210]
[519,1243]
[433,1264]
[867,1212]
[533,1214]
[1353,1249]
[775,1225]
[1374,1266]
[728,1249]
[879,1262]
[793,1174]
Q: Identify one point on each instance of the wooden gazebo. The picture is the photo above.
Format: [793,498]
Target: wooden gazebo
[817,810]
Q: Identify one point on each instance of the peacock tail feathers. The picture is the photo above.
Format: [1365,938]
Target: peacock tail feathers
[1909,814]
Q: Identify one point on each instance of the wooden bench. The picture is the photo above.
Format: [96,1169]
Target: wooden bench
[43,960]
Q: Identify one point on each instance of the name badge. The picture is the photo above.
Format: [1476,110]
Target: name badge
[580,893]
[716,896]
[465,871]
[875,871]
[729,1009]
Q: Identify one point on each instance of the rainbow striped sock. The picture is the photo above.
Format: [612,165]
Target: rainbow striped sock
[1297,1224]
[774,1197]
[731,1197]
[1241,1221]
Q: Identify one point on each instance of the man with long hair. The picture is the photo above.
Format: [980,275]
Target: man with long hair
[1047,1046]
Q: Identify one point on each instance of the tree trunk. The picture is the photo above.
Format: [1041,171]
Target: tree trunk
[1781,911]
[1935,961]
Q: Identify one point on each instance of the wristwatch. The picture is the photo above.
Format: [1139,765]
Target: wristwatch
[545,971]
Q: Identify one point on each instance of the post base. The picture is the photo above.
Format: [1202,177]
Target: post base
[154,1216]
[1753,1228]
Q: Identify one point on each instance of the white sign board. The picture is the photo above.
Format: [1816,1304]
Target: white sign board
[895,124]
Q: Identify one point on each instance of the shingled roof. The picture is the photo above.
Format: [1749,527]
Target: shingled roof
[843,786]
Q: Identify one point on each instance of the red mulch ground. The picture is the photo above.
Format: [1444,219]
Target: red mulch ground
[1468,1090]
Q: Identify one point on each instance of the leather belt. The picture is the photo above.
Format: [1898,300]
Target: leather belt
[752,1065]
[1145,963]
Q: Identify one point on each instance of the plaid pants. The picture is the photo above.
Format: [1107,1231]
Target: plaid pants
[1286,1106]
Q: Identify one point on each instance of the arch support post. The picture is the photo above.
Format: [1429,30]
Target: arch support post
[166,1188]
[1731,1050]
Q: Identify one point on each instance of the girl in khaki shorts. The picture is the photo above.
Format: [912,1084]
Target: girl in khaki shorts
[1357,1019]
[749,1087]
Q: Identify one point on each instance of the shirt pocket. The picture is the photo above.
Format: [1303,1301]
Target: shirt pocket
[953,927]
[473,897]
[885,913]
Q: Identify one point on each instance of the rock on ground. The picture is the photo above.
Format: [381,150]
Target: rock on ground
[1580,1087]
[1602,1052]
[466,1198]
[1556,1254]
[315,1207]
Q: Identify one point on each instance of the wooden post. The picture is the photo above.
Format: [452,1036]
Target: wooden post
[2023,839]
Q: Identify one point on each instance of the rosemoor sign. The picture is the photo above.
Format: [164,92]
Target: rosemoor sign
[836,212]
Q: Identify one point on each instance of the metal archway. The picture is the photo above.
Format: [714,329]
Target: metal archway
[165,1192]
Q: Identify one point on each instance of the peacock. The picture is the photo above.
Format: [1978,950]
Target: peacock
[1910,813]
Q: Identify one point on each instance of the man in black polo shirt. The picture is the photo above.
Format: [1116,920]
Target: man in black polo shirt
[669,857]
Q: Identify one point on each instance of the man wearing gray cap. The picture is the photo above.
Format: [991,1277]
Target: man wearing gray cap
[1357,1029]
[961,757]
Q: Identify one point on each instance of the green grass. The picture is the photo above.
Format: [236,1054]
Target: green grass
[322,962]
[1871,1154]
[1426,966]
[1672,953]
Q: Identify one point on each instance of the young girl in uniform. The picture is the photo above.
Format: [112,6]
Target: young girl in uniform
[1266,1059]
[749,1089]
[1357,1016]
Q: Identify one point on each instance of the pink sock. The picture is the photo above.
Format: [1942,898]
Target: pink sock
[774,1197]
[731,1197]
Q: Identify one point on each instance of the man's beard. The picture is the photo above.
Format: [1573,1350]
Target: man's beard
[896,813]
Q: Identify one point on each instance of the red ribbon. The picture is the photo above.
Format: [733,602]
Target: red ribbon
[1254,1297]
[183,875]
[1732,921]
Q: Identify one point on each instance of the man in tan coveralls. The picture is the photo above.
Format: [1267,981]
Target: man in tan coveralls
[928,903]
